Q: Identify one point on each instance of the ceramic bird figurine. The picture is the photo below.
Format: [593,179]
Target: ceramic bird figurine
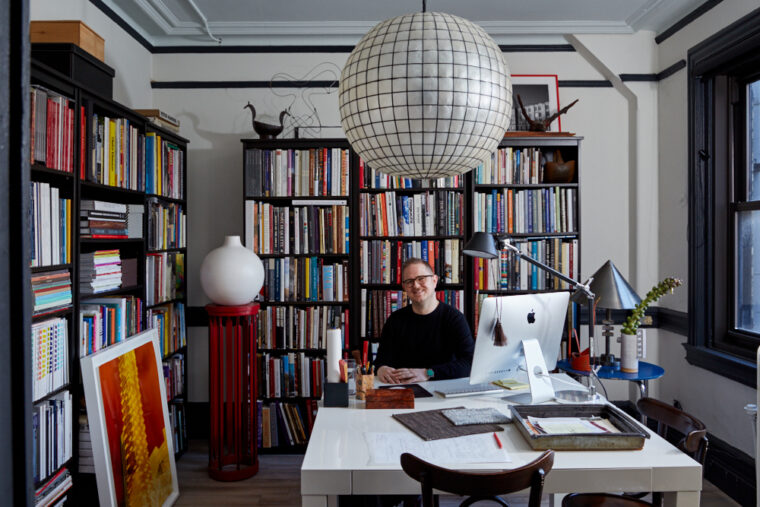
[266,130]
[542,125]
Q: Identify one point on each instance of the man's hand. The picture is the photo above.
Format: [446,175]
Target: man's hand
[387,374]
[409,375]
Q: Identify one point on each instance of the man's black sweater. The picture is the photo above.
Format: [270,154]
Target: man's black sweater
[440,340]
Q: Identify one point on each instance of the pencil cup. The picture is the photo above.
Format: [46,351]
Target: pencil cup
[364,383]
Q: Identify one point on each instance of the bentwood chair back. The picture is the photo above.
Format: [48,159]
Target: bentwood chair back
[479,486]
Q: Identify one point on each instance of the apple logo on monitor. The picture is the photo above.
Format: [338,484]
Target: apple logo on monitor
[531,317]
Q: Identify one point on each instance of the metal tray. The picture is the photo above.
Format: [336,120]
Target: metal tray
[631,436]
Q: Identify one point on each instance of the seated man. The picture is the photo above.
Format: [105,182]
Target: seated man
[427,340]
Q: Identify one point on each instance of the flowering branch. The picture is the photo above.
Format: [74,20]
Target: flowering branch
[633,321]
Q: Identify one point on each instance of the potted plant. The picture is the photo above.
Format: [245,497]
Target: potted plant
[629,362]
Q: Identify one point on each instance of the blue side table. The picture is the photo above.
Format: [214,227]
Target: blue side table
[647,372]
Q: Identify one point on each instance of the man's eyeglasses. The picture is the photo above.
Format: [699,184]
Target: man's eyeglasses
[409,282]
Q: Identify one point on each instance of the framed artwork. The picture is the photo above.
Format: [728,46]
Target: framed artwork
[130,431]
[540,96]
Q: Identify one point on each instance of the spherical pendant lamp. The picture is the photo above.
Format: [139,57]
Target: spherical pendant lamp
[425,95]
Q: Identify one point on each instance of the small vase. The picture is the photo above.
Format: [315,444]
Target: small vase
[232,275]
[629,353]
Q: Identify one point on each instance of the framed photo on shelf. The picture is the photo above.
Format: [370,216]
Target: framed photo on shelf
[129,424]
[540,96]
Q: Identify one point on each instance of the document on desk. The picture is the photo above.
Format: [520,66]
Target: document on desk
[387,448]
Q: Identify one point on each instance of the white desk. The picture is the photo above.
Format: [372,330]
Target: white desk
[336,461]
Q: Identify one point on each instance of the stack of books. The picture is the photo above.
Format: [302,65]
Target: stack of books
[53,491]
[100,271]
[86,460]
[100,219]
[52,290]
[50,356]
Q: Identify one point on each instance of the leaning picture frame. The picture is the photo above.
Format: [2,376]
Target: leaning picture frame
[540,96]
[128,417]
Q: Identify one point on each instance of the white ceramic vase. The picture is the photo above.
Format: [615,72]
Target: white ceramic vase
[629,353]
[232,275]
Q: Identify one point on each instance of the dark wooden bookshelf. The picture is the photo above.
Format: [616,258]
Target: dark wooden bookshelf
[286,350]
[304,303]
[55,312]
[54,267]
[481,186]
[39,170]
[415,190]
[51,394]
[290,199]
[409,238]
[301,255]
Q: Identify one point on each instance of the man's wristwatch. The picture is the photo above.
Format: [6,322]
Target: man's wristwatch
[430,373]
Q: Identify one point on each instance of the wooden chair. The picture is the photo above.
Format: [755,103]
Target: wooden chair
[601,500]
[478,486]
[694,443]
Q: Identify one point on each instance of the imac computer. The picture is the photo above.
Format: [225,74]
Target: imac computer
[532,325]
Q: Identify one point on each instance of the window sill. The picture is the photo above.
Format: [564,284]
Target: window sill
[732,367]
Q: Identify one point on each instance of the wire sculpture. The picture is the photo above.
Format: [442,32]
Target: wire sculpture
[322,79]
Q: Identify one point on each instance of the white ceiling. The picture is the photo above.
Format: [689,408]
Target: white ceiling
[327,22]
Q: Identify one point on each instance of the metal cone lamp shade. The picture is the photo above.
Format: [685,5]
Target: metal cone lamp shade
[425,95]
[482,245]
[612,290]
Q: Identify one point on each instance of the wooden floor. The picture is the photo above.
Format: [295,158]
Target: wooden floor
[278,483]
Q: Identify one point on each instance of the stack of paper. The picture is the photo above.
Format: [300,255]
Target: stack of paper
[52,290]
[100,271]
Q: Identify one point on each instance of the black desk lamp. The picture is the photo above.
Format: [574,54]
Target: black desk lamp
[614,293]
[487,246]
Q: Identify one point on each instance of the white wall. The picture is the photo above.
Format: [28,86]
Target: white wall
[131,61]
[717,401]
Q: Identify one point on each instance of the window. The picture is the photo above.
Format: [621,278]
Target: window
[724,201]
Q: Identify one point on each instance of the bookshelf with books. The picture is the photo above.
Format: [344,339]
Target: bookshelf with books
[401,218]
[107,256]
[298,219]
[514,197]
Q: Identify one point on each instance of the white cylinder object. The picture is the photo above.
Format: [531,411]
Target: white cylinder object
[232,275]
[334,349]
[629,353]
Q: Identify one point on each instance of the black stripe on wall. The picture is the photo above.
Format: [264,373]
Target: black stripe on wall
[684,21]
[123,24]
[680,64]
[252,49]
[579,83]
[242,84]
[537,48]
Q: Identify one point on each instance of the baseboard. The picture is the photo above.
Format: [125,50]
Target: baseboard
[731,470]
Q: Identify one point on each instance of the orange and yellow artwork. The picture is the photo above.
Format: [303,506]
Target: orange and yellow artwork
[134,420]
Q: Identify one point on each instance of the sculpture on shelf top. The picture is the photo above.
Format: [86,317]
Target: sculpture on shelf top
[542,125]
[266,130]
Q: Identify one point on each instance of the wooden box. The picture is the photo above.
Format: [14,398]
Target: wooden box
[389,398]
[74,32]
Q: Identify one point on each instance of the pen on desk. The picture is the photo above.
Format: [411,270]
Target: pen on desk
[498,442]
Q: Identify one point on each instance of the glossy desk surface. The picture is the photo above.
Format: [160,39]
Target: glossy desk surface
[336,460]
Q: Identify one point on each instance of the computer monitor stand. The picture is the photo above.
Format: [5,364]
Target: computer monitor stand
[541,388]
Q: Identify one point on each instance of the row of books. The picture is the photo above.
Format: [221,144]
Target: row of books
[288,327]
[178,422]
[544,210]
[169,322]
[51,290]
[377,305]
[123,156]
[164,277]
[312,172]
[52,125]
[436,213]
[285,424]
[108,320]
[53,490]
[174,376]
[306,227]
[381,260]
[50,217]
[369,178]
[99,271]
[509,273]
[290,375]
[52,435]
[117,153]
[512,166]
[305,279]
[167,225]
[50,356]
[110,220]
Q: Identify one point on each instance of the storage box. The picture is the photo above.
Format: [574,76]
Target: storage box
[74,32]
[630,436]
[76,64]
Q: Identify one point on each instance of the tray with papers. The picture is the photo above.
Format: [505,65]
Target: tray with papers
[577,427]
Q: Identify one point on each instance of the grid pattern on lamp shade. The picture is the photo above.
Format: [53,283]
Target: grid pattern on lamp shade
[425,95]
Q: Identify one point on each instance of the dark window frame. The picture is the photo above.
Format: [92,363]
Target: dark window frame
[717,69]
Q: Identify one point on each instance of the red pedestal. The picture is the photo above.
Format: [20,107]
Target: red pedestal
[232,392]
